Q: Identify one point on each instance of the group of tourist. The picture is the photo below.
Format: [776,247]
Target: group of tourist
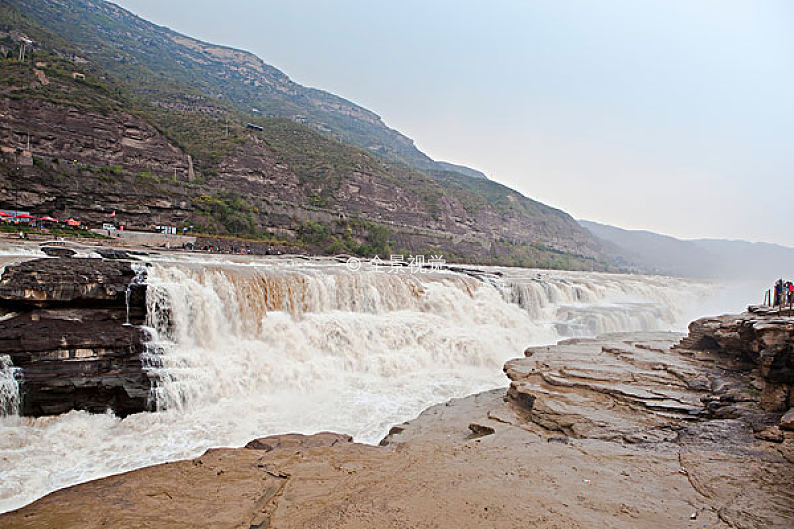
[783,293]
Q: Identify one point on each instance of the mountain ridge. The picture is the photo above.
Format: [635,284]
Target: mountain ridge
[364,128]
[705,257]
[142,138]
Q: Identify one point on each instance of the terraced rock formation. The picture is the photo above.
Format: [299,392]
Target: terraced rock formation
[70,325]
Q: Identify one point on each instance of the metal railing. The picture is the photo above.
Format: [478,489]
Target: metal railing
[785,303]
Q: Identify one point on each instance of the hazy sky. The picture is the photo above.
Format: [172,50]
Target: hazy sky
[670,115]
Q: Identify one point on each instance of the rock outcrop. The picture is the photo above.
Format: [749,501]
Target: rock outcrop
[71,326]
[637,389]
[716,398]
[760,338]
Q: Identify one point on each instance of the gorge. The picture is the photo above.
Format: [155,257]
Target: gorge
[637,428]
[229,300]
[240,347]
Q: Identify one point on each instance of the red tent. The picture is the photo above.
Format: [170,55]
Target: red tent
[72,222]
[48,219]
[25,216]
[4,214]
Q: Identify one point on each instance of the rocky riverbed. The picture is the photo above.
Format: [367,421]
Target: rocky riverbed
[626,430]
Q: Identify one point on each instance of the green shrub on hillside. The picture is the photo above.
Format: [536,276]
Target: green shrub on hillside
[236,215]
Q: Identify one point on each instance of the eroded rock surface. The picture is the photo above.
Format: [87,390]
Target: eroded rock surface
[760,338]
[71,326]
[717,407]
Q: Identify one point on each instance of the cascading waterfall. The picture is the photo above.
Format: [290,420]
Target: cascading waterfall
[9,387]
[256,347]
[219,331]
[223,330]
[601,303]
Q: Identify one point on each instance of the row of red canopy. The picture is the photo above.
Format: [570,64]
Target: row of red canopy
[31,217]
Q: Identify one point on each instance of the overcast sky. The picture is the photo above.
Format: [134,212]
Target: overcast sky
[675,116]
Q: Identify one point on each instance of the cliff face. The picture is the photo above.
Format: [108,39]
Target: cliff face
[110,138]
[758,341]
[152,127]
[68,328]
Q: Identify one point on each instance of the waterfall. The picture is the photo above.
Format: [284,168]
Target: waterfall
[9,387]
[223,330]
[220,331]
[246,347]
[592,304]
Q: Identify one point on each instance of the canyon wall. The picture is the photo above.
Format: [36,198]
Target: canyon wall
[71,329]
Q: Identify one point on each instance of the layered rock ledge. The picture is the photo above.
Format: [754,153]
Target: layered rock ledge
[622,431]
[70,326]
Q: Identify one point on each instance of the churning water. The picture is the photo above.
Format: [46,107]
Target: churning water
[247,349]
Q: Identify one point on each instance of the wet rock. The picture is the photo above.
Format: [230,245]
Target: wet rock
[56,251]
[108,253]
[72,327]
[52,283]
[787,421]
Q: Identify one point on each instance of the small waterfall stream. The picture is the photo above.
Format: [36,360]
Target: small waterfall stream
[9,387]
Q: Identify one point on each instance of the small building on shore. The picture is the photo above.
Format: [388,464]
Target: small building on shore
[166,229]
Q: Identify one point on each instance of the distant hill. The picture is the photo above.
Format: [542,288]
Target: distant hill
[710,258]
[123,115]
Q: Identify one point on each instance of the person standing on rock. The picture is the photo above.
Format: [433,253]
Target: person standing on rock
[789,292]
[778,299]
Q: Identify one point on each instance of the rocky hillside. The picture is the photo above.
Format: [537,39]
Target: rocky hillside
[132,48]
[122,115]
